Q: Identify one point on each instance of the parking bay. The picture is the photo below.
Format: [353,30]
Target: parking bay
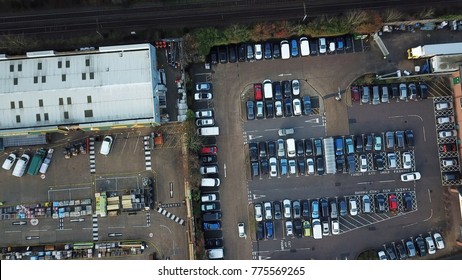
[415,115]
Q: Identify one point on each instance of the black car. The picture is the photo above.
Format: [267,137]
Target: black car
[300,149]
[394,91]
[232,53]
[301,166]
[276,51]
[359,144]
[407,199]
[339,163]
[268,50]
[298,231]
[318,147]
[250,107]
[214,55]
[209,159]
[277,90]
[369,144]
[277,210]
[306,105]
[288,107]
[272,149]
[409,136]
[253,151]
[262,149]
[391,253]
[320,165]
[421,249]
[287,89]
[211,243]
[401,251]
[241,54]
[379,162]
[314,47]
[348,43]
[305,209]
[324,208]
[250,53]
[264,165]
[260,231]
[308,147]
[351,164]
[223,54]
[269,109]
[423,90]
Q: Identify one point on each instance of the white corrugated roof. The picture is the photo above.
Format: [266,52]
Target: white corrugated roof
[116,86]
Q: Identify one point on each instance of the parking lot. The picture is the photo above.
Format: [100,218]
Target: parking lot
[121,172]
[233,86]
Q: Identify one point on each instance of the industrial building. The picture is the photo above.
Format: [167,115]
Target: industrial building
[91,89]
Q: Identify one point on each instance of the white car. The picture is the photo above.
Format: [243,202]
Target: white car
[208,197]
[205,122]
[278,106]
[292,167]
[443,106]
[408,177]
[448,162]
[204,114]
[297,107]
[258,212]
[295,87]
[289,228]
[199,96]
[332,47]
[447,133]
[322,45]
[203,86]
[382,256]
[273,167]
[353,207]
[407,163]
[363,163]
[335,227]
[325,228]
[268,211]
[210,169]
[106,146]
[430,245]
[258,52]
[439,241]
[287,209]
[310,164]
[9,161]
[241,230]
[443,120]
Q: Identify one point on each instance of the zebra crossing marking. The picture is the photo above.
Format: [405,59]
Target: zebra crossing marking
[95,228]
[171,216]
[92,155]
[147,152]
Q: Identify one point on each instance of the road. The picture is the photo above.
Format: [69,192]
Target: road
[220,13]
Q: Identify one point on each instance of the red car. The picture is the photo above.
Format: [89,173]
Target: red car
[355,95]
[257,91]
[393,202]
[209,150]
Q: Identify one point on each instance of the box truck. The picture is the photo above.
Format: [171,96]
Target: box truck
[208,131]
[435,49]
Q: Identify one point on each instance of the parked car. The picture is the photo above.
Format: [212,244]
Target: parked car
[342,205]
[400,139]
[277,210]
[294,48]
[203,86]
[204,114]
[260,231]
[250,107]
[268,50]
[375,95]
[264,164]
[355,95]
[407,162]
[306,105]
[394,91]
[423,89]
[377,143]
[380,202]
[281,148]
[407,201]
[313,47]
[276,51]
[430,245]
[421,249]
[385,96]
[322,45]
[273,167]
[391,253]
[409,136]
[232,54]
[260,110]
[201,96]
[408,177]
[223,54]
[289,229]
[258,212]
[297,209]
[205,122]
[443,106]
[392,203]
[447,133]
[241,54]
[401,252]
[297,105]
[306,228]
[278,108]
[363,163]
[284,166]
[320,165]
[209,150]
[269,109]
[269,229]
[402,92]
[412,91]
[250,52]
[353,207]
[255,168]
[209,169]
[287,208]
[253,151]
[367,207]
[305,208]
[258,52]
[315,209]
[438,240]
[410,248]
[9,161]
[365,95]
[308,147]
[310,166]
[208,159]
[105,146]
[381,255]
[272,149]
[296,87]
[268,208]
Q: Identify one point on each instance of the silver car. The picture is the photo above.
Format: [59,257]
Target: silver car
[385,97]
[281,149]
[273,167]
[366,95]
[375,95]
[402,92]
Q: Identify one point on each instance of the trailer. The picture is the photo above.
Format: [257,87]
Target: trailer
[427,51]
[36,162]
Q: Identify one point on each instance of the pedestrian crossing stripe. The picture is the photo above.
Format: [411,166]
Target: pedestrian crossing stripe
[147,152]
[171,216]
[92,155]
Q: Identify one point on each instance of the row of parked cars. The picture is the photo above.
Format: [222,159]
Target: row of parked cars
[284,49]
[277,99]
[419,246]
[446,132]
[376,94]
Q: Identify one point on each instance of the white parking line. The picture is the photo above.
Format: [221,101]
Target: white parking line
[38,230]
[12,231]
[140,226]
[413,224]
[61,229]
[429,195]
[224,168]
[115,227]
[387,181]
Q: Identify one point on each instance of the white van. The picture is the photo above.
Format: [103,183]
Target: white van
[210,182]
[285,49]
[290,144]
[208,131]
[21,165]
[215,254]
[304,47]
[268,89]
[241,230]
[317,229]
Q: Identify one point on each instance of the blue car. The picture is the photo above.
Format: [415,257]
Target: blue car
[306,105]
[315,209]
[268,51]
[212,226]
[269,229]
[294,48]
[283,166]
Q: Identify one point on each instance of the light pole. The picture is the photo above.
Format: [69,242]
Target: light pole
[304,12]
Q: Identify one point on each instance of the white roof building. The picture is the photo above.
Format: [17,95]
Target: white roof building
[109,87]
